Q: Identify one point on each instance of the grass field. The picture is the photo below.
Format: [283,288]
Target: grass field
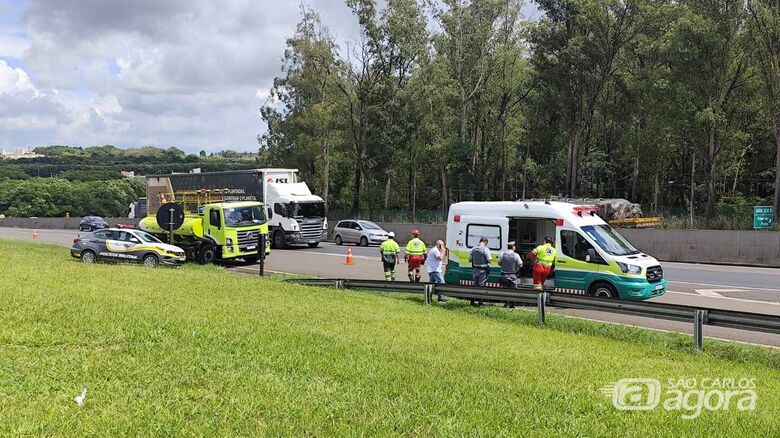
[199,351]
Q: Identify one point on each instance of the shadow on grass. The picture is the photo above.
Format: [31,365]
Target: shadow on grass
[676,342]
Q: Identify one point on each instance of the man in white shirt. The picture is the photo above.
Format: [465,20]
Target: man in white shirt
[434,264]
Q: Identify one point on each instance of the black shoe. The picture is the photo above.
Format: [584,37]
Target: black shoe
[441,299]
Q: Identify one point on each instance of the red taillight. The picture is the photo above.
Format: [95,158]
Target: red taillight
[456,218]
[558,222]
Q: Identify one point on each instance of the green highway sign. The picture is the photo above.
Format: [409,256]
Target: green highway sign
[763,217]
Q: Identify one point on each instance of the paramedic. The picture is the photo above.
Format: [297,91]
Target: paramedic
[390,256]
[415,256]
[544,262]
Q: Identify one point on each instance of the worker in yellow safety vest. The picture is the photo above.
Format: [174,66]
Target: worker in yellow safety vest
[390,256]
[543,257]
[415,256]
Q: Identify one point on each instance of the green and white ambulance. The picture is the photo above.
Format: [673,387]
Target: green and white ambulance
[593,259]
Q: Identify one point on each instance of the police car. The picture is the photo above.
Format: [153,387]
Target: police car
[116,244]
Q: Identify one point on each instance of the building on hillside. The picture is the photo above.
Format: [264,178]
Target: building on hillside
[18,154]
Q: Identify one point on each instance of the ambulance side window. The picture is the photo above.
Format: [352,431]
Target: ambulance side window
[575,246]
[474,232]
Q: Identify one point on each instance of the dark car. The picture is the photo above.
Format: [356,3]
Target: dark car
[92,223]
[116,244]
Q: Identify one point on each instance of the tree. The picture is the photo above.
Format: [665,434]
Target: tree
[575,49]
[764,32]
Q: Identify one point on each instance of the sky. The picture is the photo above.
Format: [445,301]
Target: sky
[185,73]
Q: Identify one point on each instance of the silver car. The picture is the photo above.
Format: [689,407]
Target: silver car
[361,232]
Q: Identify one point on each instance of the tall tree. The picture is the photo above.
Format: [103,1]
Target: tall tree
[764,32]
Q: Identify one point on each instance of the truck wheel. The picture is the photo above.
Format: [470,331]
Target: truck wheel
[251,260]
[314,245]
[604,290]
[278,240]
[338,240]
[208,253]
[88,256]
[151,261]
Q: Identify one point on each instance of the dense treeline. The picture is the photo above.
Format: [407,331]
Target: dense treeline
[56,197]
[107,162]
[88,181]
[674,104]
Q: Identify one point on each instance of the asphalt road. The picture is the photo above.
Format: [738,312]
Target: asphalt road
[740,288]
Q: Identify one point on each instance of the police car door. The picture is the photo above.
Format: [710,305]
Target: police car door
[124,245]
[495,228]
[98,242]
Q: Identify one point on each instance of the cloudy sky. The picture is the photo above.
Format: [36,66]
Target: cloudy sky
[185,73]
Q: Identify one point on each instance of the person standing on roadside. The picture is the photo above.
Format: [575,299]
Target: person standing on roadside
[480,258]
[511,263]
[391,256]
[434,264]
[544,262]
[415,256]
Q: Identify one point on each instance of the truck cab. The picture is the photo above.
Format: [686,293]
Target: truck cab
[234,229]
[295,215]
[593,259]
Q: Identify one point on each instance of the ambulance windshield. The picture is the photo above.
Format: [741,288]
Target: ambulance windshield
[609,240]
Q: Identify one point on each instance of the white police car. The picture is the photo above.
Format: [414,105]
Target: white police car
[117,244]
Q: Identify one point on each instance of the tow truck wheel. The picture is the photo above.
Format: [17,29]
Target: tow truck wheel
[278,240]
[88,256]
[207,254]
[603,290]
[251,260]
[151,261]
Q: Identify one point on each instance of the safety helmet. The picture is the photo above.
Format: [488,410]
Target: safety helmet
[415,232]
[391,235]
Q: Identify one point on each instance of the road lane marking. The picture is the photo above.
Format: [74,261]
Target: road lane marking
[743,288]
[744,300]
[716,293]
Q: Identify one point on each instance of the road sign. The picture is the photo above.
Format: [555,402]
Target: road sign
[763,217]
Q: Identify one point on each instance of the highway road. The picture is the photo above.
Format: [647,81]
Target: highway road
[748,289]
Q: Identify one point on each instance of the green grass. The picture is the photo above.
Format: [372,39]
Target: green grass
[198,351]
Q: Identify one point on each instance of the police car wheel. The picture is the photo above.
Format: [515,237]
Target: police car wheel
[363,241]
[88,256]
[604,290]
[338,240]
[151,261]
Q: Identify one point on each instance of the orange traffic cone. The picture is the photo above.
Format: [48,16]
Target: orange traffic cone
[35,234]
[349,257]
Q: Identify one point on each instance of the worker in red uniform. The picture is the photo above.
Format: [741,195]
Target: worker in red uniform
[543,257]
[415,256]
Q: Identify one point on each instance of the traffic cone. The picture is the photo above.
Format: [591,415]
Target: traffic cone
[35,234]
[349,257]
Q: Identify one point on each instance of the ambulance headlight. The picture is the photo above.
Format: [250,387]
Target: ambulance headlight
[630,269]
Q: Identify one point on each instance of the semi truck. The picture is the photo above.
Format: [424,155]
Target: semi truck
[295,216]
[213,229]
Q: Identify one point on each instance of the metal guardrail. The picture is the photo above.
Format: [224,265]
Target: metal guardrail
[527,296]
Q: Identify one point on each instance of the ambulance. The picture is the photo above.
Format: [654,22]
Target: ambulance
[593,259]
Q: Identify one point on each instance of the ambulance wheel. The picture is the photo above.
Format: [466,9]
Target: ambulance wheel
[88,256]
[363,241]
[604,290]
[151,261]
[338,240]
[207,254]
[278,240]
